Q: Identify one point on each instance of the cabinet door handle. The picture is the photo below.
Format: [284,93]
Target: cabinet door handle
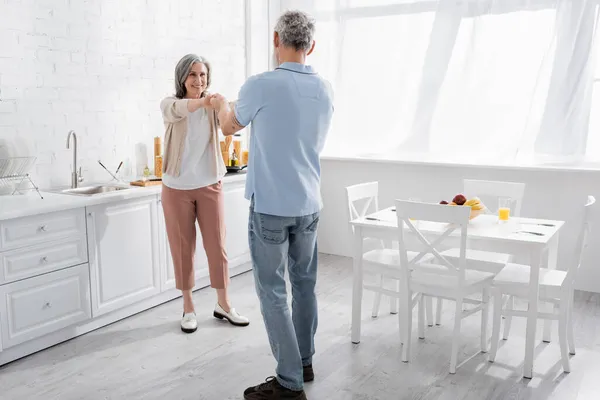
[47,305]
[44,260]
[44,228]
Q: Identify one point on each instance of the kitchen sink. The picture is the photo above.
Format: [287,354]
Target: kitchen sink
[94,190]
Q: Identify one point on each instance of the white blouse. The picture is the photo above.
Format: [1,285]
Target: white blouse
[197,169]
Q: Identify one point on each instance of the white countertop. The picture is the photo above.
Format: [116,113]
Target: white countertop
[28,204]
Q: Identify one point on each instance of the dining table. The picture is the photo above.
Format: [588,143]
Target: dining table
[534,238]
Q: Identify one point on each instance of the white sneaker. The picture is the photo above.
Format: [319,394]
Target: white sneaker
[189,323]
[232,316]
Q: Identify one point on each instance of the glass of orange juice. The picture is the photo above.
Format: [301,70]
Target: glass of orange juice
[504,204]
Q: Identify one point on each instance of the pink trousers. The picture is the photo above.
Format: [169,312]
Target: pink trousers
[182,208]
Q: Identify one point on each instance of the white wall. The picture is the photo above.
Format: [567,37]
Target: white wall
[549,194]
[101,67]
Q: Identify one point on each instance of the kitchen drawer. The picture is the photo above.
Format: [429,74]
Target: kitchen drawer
[21,232]
[36,260]
[35,307]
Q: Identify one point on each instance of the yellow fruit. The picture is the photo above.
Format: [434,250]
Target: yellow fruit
[475,204]
[452,203]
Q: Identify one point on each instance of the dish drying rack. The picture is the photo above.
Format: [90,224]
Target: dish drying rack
[14,171]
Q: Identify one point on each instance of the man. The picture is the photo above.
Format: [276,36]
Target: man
[290,109]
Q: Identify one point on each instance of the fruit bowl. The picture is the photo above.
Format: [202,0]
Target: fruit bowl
[477,207]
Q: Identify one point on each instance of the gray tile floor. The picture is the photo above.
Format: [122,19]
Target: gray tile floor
[147,357]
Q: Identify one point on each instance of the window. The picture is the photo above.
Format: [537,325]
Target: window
[593,139]
[495,87]
[371,3]
[376,73]
[467,81]
[259,36]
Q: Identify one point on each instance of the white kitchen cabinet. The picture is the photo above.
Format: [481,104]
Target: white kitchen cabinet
[22,232]
[38,306]
[236,221]
[69,271]
[30,261]
[124,253]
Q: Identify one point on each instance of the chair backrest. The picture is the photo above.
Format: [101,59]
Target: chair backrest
[448,219]
[362,200]
[368,194]
[582,240]
[494,190]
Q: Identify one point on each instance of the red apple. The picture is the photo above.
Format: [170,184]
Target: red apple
[459,199]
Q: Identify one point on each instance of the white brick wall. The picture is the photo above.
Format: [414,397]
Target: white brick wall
[101,67]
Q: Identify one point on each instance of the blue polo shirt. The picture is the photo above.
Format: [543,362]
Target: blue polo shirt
[290,109]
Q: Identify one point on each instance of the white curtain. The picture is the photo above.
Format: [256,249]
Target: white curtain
[448,80]
[565,125]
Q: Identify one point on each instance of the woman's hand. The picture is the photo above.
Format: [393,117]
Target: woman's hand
[217,100]
[206,101]
[201,102]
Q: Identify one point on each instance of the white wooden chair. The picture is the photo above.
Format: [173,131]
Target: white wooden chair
[381,255]
[556,287]
[378,257]
[485,260]
[438,276]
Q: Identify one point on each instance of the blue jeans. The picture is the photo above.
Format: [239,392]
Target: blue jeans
[275,241]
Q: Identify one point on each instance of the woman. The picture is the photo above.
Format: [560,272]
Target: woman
[192,190]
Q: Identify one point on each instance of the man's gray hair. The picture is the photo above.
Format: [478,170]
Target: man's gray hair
[182,70]
[296,29]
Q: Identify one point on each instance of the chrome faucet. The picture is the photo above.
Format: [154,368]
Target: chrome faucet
[76,176]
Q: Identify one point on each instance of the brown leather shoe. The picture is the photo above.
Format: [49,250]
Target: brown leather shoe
[272,390]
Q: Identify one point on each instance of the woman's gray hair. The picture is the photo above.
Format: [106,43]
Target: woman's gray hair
[296,29]
[182,70]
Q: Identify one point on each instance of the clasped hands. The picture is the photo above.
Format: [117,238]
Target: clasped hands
[215,101]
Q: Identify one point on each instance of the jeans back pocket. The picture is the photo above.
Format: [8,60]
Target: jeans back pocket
[272,229]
